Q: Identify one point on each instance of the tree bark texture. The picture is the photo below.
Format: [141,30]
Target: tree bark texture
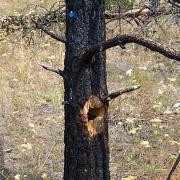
[86,128]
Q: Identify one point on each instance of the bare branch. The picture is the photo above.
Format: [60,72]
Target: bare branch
[122,40]
[133,13]
[120,92]
[174,167]
[52,69]
[14,23]
[54,36]
[55,15]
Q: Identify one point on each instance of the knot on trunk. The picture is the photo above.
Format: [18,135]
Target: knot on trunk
[93,114]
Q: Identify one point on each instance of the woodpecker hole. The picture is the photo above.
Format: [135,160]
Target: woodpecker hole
[94,111]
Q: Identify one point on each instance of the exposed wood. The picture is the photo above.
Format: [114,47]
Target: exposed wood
[122,40]
[93,113]
[52,69]
[120,92]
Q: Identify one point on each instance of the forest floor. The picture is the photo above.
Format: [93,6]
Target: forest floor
[144,125]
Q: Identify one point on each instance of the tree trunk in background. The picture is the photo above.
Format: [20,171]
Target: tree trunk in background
[86,129]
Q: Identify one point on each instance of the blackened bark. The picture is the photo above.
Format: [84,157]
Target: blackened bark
[86,146]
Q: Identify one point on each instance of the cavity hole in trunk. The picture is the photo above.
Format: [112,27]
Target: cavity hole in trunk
[93,113]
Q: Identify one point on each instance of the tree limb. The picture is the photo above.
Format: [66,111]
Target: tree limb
[54,36]
[139,12]
[122,40]
[174,167]
[120,92]
[14,23]
[58,15]
[52,69]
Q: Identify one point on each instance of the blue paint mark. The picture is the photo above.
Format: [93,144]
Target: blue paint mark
[72,14]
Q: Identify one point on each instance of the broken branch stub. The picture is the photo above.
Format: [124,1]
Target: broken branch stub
[120,92]
[93,114]
[52,69]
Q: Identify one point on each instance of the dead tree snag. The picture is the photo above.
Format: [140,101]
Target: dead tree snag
[86,96]
[93,114]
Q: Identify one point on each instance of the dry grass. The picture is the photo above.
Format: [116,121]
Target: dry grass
[144,125]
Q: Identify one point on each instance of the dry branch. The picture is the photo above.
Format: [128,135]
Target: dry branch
[139,12]
[54,36]
[52,69]
[129,13]
[120,92]
[58,15]
[173,167]
[122,40]
[11,24]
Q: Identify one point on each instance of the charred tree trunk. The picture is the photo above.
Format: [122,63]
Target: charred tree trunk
[86,129]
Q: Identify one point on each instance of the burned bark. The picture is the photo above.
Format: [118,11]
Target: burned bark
[86,128]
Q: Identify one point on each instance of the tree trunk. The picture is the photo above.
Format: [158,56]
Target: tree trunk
[86,128]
